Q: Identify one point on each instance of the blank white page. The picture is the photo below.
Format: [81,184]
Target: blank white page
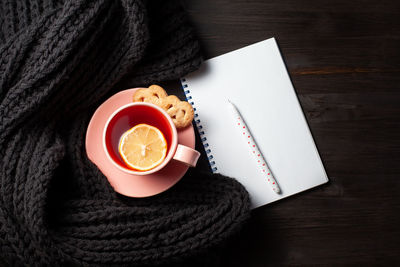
[255,79]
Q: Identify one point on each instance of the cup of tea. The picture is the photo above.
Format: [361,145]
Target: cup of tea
[128,116]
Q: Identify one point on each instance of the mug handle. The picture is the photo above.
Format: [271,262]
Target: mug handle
[186,155]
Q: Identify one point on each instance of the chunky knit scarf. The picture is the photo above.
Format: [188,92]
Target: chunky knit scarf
[59,60]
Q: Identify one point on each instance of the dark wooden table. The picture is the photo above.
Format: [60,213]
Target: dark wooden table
[344,61]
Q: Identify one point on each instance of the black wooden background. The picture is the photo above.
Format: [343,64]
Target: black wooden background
[344,60]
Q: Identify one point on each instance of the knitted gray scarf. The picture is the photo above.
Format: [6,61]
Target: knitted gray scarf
[59,60]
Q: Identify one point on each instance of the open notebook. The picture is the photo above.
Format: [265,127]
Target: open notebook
[256,80]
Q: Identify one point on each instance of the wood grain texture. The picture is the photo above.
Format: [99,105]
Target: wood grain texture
[344,61]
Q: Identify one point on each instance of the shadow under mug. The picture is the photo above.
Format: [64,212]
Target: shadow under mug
[126,117]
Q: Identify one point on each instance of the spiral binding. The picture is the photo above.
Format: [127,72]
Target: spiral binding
[199,127]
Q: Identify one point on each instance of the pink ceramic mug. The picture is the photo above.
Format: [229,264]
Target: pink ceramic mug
[126,117]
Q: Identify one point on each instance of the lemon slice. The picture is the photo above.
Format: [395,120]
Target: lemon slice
[143,147]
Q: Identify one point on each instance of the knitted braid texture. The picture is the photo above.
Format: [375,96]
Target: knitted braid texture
[59,60]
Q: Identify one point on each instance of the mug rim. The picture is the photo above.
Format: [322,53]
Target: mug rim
[172,147]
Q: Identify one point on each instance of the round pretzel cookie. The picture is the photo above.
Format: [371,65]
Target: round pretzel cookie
[181,112]
[153,94]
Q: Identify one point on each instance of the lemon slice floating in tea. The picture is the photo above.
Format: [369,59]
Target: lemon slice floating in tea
[143,147]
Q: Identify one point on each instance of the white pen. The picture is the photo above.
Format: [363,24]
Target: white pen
[245,132]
